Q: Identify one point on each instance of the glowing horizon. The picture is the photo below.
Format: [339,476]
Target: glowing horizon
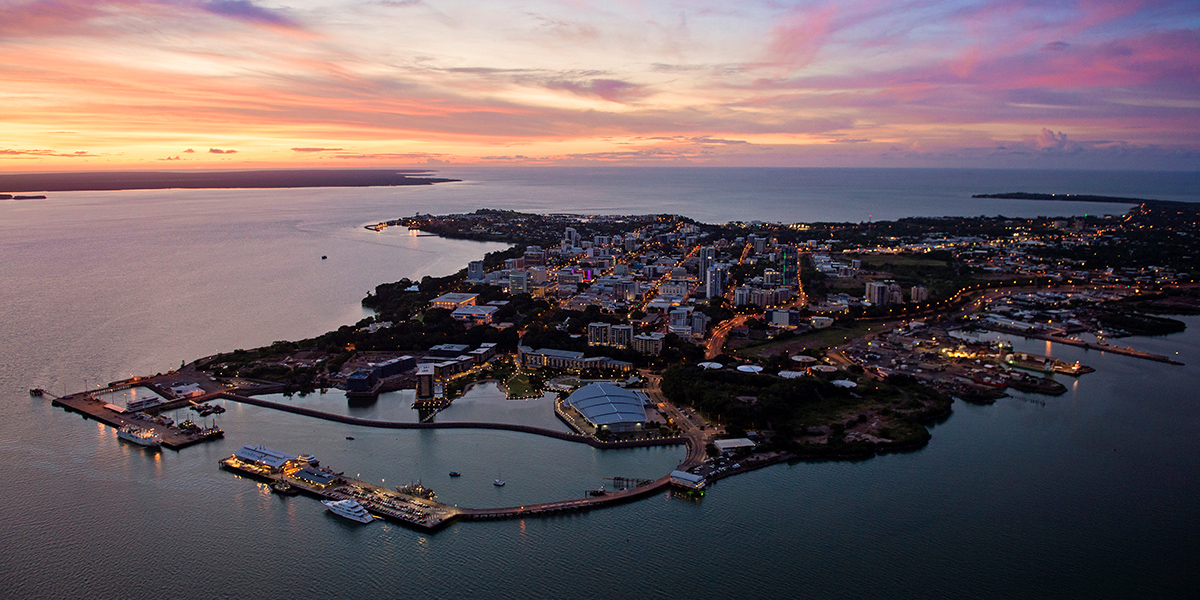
[225,84]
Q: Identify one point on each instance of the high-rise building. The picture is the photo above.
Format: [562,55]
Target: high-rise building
[475,270]
[598,334]
[919,293]
[620,336]
[626,289]
[714,282]
[572,236]
[700,323]
[649,343]
[877,293]
[518,282]
[680,321]
[708,255]
[741,296]
[895,294]
[772,277]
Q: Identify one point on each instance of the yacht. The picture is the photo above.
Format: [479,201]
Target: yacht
[141,436]
[349,509]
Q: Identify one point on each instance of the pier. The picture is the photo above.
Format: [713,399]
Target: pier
[173,437]
[413,511]
[581,504]
[1070,341]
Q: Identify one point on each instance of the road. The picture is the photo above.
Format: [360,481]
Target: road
[693,427]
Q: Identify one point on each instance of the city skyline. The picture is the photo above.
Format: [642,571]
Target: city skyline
[229,84]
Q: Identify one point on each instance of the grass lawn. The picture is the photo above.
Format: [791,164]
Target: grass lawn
[519,385]
[828,337]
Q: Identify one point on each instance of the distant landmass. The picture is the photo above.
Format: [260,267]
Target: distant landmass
[160,180]
[1078,198]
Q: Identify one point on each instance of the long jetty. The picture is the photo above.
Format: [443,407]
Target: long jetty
[1085,344]
[562,435]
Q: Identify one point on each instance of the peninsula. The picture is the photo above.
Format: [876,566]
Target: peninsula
[1081,198]
[750,343]
[159,180]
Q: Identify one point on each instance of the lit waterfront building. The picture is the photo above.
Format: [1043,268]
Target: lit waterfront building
[608,407]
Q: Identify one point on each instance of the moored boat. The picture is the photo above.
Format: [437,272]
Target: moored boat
[284,488]
[141,436]
[348,509]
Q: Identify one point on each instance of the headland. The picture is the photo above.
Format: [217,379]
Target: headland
[158,180]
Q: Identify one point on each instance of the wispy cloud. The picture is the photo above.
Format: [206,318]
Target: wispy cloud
[648,81]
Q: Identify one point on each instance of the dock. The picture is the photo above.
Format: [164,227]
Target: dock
[418,513]
[173,437]
[1072,341]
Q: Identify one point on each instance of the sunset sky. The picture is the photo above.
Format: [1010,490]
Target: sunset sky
[327,83]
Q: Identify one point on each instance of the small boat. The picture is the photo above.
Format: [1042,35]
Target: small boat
[284,488]
[498,483]
[36,392]
[455,474]
[350,437]
[323,257]
[348,509]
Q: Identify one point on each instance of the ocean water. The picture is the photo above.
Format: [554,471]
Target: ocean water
[1089,494]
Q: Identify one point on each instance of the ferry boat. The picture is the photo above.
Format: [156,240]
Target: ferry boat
[141,436]
[348,509]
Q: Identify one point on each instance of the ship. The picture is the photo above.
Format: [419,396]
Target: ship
[141,436]
[416,489]
[348,509]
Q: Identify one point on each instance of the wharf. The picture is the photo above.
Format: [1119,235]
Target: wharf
[173,438]
[1070,341]
[516,512]
[419,513]
[1046,364]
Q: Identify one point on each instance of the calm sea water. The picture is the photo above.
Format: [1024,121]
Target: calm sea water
[1090,494]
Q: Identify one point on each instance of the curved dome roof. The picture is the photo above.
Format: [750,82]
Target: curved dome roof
[606,404]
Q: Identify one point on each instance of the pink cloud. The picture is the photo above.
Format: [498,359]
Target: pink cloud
[797,38]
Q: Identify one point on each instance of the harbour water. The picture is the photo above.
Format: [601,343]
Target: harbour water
[1089,494]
